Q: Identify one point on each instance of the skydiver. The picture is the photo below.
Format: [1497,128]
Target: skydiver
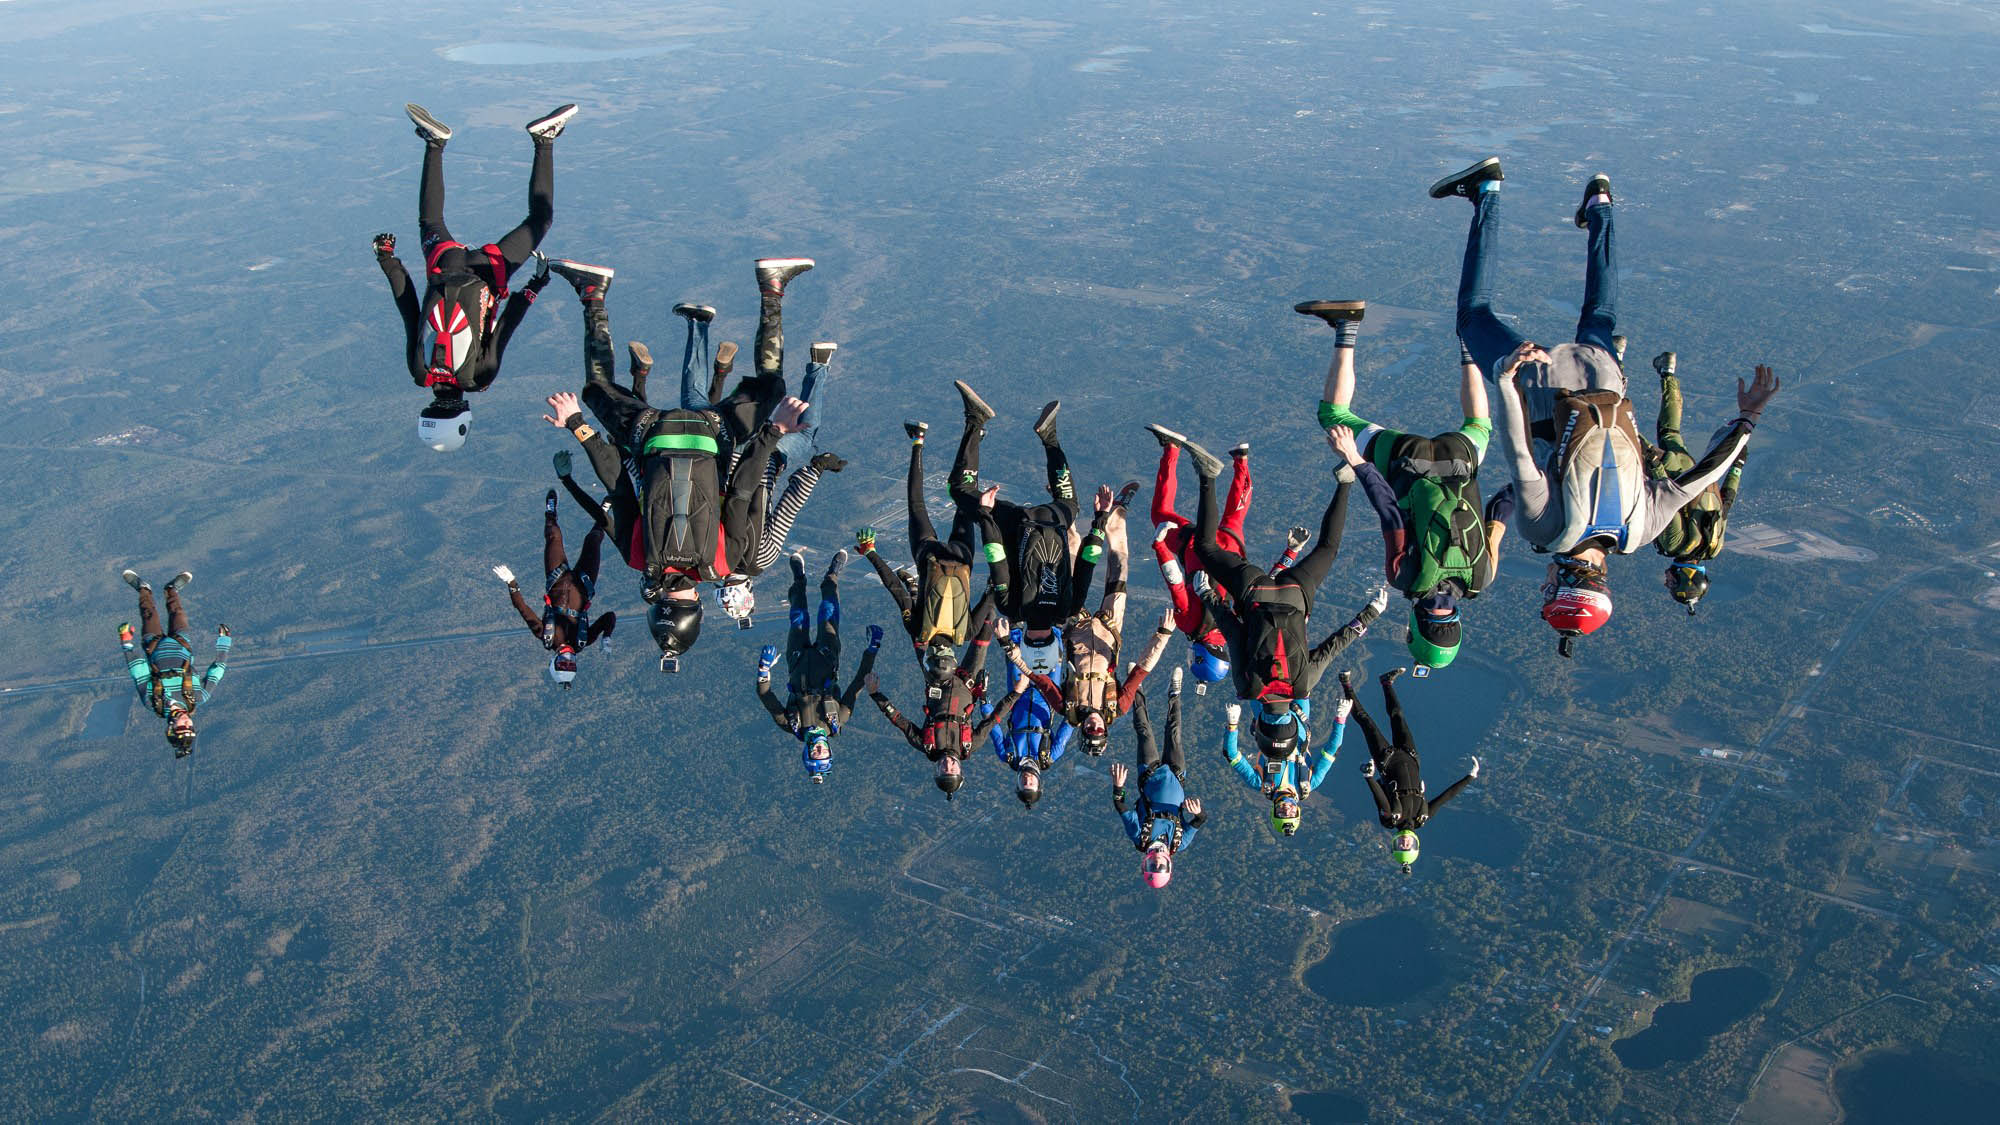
[1425,492]
[937,608]
[953,719]
[1165,819]
[1180,566]
[455,335]
[1693,537]
[1288,769]
[814,708]
[564,625]
[162,664]
[1399,803]
[1580,483]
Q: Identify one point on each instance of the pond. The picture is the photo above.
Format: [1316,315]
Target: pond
[1326,1108]
[1897,1086]
[1377,962]
[529,54]
[1680,1031]
[107,717]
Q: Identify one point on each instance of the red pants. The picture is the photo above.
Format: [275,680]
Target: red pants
[1178,544]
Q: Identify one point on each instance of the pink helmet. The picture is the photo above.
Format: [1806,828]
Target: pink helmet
[1158,866]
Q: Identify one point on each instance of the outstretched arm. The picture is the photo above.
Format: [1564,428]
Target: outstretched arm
[772,707]
[219,665]
[861,674]
[1323,760]
[1338,641]
[911,732]
[1246,772]
[407,306]
[984,727]
[1135,678]
[511,316]
[1438,801]
[136,664]
[891,581]
[1531,488]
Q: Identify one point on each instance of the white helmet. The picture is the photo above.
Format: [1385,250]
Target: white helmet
[562,668]
[443,423]
[738,601]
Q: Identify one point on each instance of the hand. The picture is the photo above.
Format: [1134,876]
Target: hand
[1341,438]
[541,276]
[789,417]
[1102,502]
[566,406]
[1475,765]
[1296,538]
[563,463]
[1002,627]
[1528,352]
[1270,789]
[125,632]
[1119,773]
[1235,713]
[1368,768]
[1342,709]
[988,495]
[385,244]
[766,656]
[874,636]
[1750,400]
[872,684]
[864,540]
[504,574]
[1167,619]
[222,630]
[1192,807]
[1380,601]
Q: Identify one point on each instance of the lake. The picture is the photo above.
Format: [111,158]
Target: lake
[1377,962]
[1325,1108]
[1887,1087]
[107,716]
[530,54]
[1680,1031]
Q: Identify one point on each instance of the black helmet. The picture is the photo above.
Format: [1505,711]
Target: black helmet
[949,782]
[940,659]
[1277,740]
[1688,583]
[182,741]
[675,625]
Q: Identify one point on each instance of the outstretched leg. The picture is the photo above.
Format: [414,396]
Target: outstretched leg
[1600,278]
[798,635]
[964,486]
[554,557]
[1397,727]
[1378,748]
[695,363]
[1236,506]
[921,529]
[517,244]
[430,199]
[1488,338]
[1142,736]
[149,620]
[1226,568]
[1311,568]
[1175,761]
[1166,482]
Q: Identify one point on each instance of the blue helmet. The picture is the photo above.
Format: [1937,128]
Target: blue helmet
[818,754]
[1208,668]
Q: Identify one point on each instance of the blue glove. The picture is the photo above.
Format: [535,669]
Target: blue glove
[874,636]
[766,656]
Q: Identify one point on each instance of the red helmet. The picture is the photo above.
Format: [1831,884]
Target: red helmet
[1577,610]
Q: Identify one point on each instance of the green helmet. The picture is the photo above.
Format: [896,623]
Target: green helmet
[1283,823]
[1433,640]
[1404,849]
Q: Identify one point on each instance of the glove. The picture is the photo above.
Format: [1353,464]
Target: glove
[1235,713]
[385,244]
[1296,538]
[766,656]
[1380,601]
[874,636]
[1475,765]
[979,683]
[864,540]
[505,575]
[1341,709]
[1368,768]
[562,462]
[125,633]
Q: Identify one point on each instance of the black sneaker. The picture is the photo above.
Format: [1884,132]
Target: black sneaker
[1045,424]
[917,430]
[639,359]
[1205,463]
[1333,312]
[1664,363]
[1466,183]
[1241,449]
[822,352]
[1618,348]
[1347,683]
[180,581]
[976,410]
[433,131]
[133,580]
[827,463]
[773,273]
[591,282]
[1600,184]
[1125,494]
[700,314]
[549,502]
[834,564]
[1389,677]
[1165,436]
[550,126]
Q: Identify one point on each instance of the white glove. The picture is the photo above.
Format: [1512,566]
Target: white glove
[1475,765]
[1381,599]
[1341,709]
[504,574]
[1235,713]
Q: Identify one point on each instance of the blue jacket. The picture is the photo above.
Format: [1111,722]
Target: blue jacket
[1028,723]
[1291,773]
[174,661]
[1160,799]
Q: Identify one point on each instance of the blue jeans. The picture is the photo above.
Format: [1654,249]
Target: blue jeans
[1487,337]
[696,361]
[798,448]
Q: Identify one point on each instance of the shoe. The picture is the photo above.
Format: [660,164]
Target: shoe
[1389,677]
[917,430]
[1045,424]
[180,581]
[1165,436]
[725,358]
[976,410]
[827,463]
[834,564]
[433,131]
[700,314]
[1618,348]
[550,126]
[1467,183]
[639,359]
[1205,463]
[773,273]
[1333,312]
[1125,494]
[133,580]
[822,352]
[591,282]
[798,557]
[1600,184]
[1174,688]
[1347,683]
[1240,450]
[1664,363]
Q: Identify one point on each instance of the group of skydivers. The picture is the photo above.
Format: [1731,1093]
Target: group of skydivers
[688,501]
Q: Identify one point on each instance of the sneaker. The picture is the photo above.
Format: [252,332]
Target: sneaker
[433,131]
[834,564]
[591,282]
[1165,436]
[1125,494]
[1241,449]
[1347,683]
[1174,687]
[725,358]
[1664,363]
[700,314]
[1600,184]
[1389,677]
[180,581]
[1466,183]
[639,359]
[773,273]
[549,502]
[550,126]
[1045,424]
[976,410]
[917,430]
[822,352]
[1205,463]
[1618,348]
[133,580]
[798,557]
[1333,312]
[827,463]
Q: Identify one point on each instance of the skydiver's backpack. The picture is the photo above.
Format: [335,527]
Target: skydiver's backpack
[1447,532]
[947,600]
[679,452]
[1042,573]
[458,316]
[1600,464]
[1278,649]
